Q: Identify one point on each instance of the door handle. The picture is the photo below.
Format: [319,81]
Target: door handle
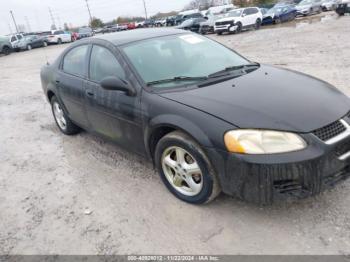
[89,93]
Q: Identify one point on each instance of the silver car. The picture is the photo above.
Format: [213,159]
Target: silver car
[309,7]
[329,5]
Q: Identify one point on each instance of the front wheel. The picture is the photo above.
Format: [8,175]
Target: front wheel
[29,47]
[185,170]
[239,28]
[59,41]
[63,122]
[6,50]
[44,44]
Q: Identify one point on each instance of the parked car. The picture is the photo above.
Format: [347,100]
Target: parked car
[131,26]
[279,14]
[98,30]
[14,39]
[5,45]
[149,23]
[239,19]
[160,22]
[110,29]
[139,24]
[84,32]
[182,18]
[29,42]
[192,24]
[308,7]
[343,8]
[207,26]
[196,114]
[170,21]
[329,5]
[59,37]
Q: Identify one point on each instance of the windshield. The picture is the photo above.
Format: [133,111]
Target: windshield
[235,13]
[182,55]
[275,10]
[306,2]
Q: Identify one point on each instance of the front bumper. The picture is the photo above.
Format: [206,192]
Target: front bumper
[225,28]
[303,12]
[264,179]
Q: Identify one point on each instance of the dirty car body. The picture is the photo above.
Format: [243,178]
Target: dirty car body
[242,118]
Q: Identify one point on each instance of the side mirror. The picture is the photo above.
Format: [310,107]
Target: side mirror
[113,83]
[243,15]
[206,18]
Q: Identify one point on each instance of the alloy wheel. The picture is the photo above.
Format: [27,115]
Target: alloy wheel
[59,115]
[182,171]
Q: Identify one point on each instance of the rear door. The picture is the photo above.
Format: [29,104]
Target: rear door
[113,114]
[69,83]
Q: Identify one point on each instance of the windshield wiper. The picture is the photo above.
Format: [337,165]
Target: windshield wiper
[178,79]
[228,70]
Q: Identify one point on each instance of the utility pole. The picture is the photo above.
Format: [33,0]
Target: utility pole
[28,25]
[88,8]
[52,18]
[144,5]
[14,21]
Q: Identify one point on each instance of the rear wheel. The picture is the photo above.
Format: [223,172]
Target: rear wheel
[62,120]
[29,47]
[257,23]
[59,41]
[44,44]
[185,170]
[219,33]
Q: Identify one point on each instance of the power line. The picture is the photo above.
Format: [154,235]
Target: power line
[14,21]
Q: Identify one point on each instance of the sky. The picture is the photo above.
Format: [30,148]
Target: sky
[35,13]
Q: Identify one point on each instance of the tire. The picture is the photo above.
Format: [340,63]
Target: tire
[239,27]
[205,183]
[6,50]
[68,128]
[219,33]
[44,44]
[257,23]
[277,21]
[29,47]
[59,41]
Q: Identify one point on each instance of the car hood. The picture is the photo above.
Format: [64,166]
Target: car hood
[269,98]
[225,19]
[302,7]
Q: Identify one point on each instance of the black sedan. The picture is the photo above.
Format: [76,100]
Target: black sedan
[208,118]
[192,24]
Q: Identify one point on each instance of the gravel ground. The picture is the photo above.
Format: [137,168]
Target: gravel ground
[81,195]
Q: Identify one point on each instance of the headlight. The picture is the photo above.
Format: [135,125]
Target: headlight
[250,141]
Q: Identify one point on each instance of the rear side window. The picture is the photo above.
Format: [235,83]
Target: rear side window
[59,32]
[75,60]
[103,64]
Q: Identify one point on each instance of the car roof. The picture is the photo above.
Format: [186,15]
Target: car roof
[125,37]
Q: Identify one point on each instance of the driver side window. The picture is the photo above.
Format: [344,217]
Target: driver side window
[103,64]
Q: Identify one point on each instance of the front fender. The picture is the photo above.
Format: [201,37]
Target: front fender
[179,123]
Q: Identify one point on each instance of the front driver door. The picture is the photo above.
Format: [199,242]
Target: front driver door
[113,114]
